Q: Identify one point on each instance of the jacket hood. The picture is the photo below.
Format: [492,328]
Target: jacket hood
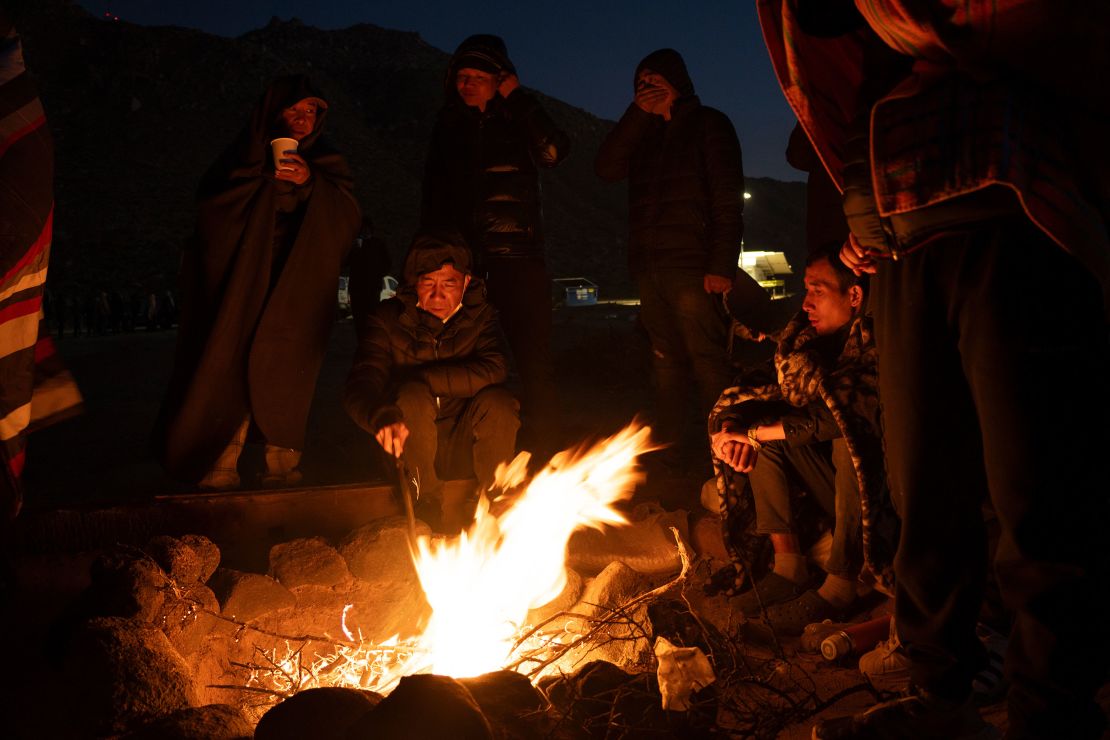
[282,93]
[482,51]
[669,63]
[432,250]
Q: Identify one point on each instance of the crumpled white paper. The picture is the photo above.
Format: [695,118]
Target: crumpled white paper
[681,672]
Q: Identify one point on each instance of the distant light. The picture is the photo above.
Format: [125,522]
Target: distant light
[747,195]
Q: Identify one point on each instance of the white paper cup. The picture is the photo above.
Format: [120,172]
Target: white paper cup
[280,147]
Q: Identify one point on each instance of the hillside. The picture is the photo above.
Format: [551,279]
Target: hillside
[138,113]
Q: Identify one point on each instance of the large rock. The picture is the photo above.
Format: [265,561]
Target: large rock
[126,583]
[615,586]
[645,545]
[308,562]
[248,596]
[380,551]
[207,552]
[566,599]
[622,637]
[511,704]
[424,707]
[123,673]
[321,714]
[210,666]
[386,594]
[187,560]
[187,617]
[211,722]
[707,537]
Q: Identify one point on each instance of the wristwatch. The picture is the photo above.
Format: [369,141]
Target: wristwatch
[753,437]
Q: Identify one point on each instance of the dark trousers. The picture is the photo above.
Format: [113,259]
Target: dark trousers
[825,470]
[993,369]
[521,291]
[689,340]
[473,440]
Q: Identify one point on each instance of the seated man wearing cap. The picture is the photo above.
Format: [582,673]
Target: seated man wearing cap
[426,380]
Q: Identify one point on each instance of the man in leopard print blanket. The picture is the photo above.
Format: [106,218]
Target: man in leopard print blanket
[816,429]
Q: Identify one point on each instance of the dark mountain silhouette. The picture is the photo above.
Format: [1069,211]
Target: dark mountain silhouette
[138,113]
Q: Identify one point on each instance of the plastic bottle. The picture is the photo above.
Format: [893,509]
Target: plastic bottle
[814,634]
[855,639]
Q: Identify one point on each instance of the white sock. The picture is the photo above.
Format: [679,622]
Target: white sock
[838,591]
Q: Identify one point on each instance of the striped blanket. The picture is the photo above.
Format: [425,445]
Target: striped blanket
[35,389]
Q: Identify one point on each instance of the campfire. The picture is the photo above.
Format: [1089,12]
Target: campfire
[558,607]
[482,585]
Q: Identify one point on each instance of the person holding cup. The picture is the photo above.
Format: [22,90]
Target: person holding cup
[276,217]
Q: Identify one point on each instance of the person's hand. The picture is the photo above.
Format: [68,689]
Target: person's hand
[654,94]
[292,168]
[717,284]
[509,82]
[392,438]
[734,449]
[856,258]
[649,99]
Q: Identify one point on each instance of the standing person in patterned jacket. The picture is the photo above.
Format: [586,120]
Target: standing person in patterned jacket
[970,146]
[685,204]
[482,180]
[34,387]
[427,380]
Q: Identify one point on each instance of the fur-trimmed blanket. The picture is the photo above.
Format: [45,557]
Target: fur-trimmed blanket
[850,390]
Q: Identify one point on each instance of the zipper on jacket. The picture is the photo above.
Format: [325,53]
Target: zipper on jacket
[435,355]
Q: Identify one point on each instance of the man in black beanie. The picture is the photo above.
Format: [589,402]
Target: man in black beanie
[685,204]
[482,180]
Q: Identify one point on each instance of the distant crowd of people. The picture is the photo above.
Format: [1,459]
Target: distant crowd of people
[78,312]
[927,375]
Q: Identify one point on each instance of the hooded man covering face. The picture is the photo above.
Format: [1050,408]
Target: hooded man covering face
[685,200]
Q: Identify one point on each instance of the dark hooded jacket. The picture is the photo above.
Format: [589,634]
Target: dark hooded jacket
[481,177]
[402,342]
[258,291]
[685,179]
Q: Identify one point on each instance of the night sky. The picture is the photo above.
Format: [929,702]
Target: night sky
[581,51]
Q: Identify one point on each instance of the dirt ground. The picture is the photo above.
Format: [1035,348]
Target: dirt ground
[101,458]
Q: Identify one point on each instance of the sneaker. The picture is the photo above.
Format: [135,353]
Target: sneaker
[888,664]
[919,715]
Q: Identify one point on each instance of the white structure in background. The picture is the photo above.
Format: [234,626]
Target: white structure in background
[767,268]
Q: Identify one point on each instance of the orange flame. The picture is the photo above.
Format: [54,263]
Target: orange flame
[482,584]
